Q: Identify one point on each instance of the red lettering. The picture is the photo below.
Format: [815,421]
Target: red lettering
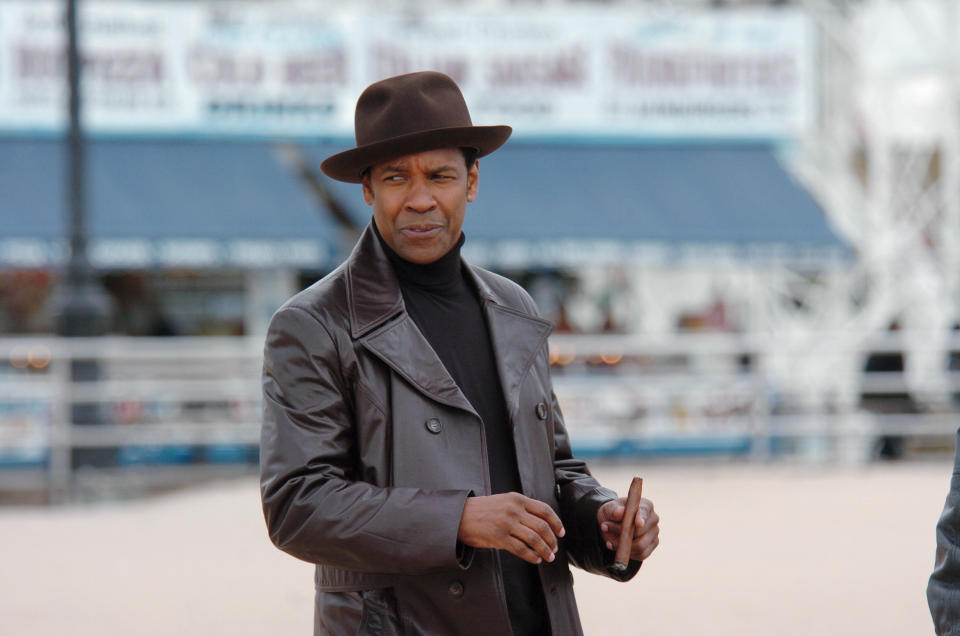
[564,68]
[39,63]
[219,68]
[319,69]
[632,66]
[389,60]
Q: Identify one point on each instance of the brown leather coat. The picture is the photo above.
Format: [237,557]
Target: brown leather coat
[369,450]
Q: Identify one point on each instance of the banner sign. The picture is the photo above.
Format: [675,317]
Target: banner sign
[236,69]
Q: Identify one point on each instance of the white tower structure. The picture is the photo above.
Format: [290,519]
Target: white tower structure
[885,162]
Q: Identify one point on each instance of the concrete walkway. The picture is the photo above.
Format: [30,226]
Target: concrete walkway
[746,550]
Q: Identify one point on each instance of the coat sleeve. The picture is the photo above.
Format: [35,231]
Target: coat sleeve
[943,589]
[316,507]
[580,498]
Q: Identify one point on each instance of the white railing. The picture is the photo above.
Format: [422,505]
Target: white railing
[679,393]
[758,394]
[156,401]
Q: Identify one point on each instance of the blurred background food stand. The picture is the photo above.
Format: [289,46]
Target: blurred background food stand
[724,207]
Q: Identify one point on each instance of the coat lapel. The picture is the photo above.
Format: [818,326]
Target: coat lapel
[380,322]
[401,345]
[373,294]
[517,339]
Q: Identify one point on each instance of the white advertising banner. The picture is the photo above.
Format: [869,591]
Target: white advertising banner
[237,69]
[127,54]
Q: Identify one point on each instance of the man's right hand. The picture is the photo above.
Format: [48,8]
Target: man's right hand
[510,521]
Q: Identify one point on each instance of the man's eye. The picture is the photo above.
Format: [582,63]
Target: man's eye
[393,177]
[443,177]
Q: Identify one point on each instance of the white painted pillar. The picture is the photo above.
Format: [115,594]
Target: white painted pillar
[265,290]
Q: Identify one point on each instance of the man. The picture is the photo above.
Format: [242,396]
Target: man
[943,588]
[412,446]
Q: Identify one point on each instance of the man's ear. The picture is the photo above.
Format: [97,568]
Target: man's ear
[473,181]
[367,190]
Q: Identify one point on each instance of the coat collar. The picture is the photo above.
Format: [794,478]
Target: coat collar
[378,319]
[373,293]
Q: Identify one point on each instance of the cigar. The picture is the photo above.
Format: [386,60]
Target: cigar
[626,528]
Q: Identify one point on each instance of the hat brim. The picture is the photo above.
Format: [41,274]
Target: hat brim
[349,165]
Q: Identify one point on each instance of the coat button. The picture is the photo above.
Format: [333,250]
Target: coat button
[433,425]
[456,589]
[541,410]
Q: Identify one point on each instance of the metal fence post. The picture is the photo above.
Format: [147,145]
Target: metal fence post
[59,465]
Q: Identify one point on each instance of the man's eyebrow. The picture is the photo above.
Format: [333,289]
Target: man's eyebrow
[394,168]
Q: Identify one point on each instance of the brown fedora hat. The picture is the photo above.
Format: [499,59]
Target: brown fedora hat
[406,114]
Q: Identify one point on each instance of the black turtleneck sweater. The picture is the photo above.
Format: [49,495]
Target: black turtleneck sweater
[442,301]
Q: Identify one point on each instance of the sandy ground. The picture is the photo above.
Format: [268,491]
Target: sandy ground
[746,550]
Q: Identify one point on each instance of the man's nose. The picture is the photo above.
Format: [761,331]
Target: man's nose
[420,196]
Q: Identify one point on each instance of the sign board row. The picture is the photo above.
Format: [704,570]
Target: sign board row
[231,68]
[312,254]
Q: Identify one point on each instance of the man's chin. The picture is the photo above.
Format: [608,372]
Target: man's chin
[423,253]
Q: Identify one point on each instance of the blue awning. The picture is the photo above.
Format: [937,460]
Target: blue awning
[159,203]
[180,203]
[555,205]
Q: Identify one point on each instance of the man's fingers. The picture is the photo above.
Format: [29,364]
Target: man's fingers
[544,530]
[645,514]
[546,513]
[641,524]
[534,541]
[610,528]
[646,547]
[510,521]
[648,550]
[519,548]
[645,520]
[646,537]
[650,520]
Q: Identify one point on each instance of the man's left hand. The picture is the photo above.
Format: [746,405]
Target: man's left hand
[646,527]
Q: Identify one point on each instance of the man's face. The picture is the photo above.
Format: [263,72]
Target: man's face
[419,201]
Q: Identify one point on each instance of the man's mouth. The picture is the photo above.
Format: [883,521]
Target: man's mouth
[420,231]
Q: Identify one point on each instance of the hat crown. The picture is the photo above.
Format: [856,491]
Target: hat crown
[408,114]
[408,104]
